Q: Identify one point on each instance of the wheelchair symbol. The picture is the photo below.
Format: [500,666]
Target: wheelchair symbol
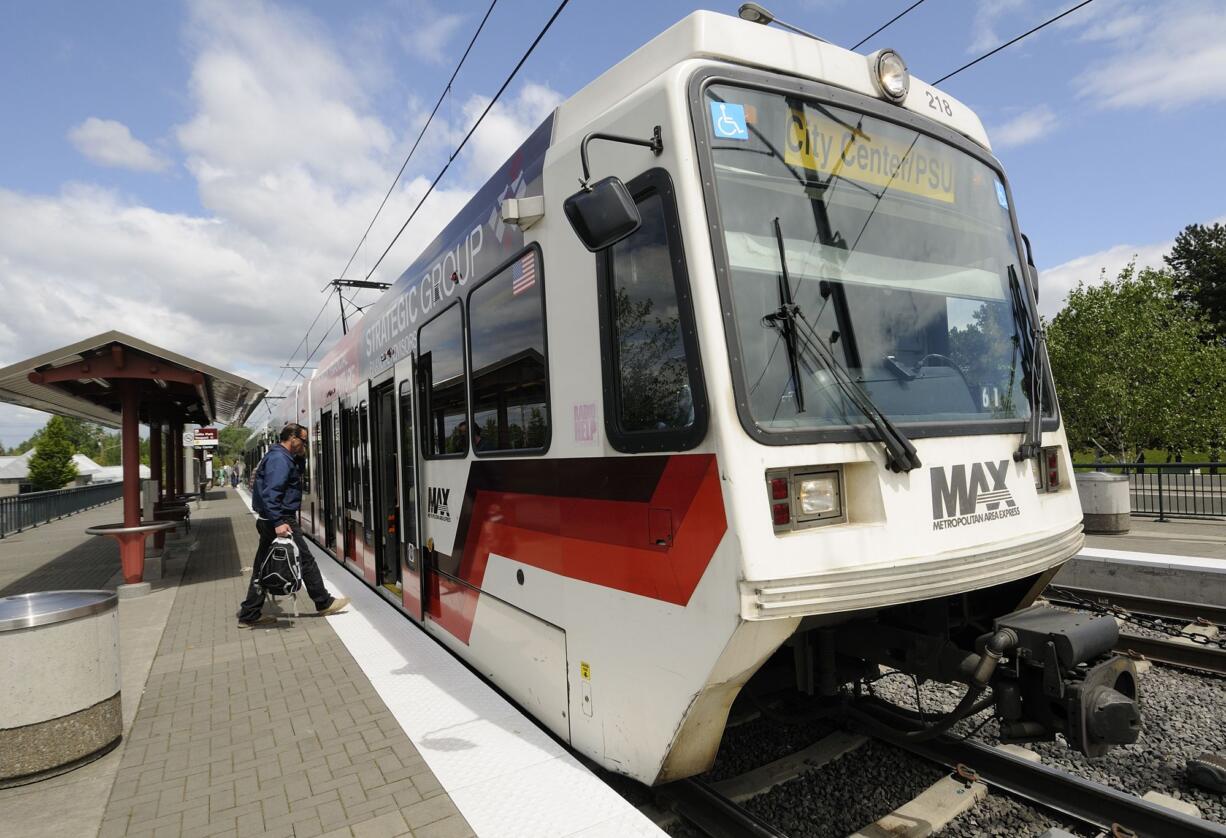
[728,121]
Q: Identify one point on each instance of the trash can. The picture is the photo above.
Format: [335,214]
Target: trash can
[1105,503]
[59,682]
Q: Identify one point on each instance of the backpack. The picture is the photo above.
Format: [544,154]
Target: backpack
[280,570]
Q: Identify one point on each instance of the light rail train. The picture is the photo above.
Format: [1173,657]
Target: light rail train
[765,398]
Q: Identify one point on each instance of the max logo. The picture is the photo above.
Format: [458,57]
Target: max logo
[436,505]
[959,497]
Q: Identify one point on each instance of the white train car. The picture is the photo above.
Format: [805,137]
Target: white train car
[787,406]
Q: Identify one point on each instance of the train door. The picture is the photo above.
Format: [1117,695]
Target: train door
[412,589]
[352,450]
[367,528]
[383,523]
[327,482]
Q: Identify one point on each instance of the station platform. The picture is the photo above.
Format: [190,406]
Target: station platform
[357,724]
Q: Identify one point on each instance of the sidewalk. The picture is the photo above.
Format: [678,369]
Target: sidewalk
[268,732]
[1178,537]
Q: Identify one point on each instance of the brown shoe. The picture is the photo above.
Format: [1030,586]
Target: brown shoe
[338,603]
[263,620]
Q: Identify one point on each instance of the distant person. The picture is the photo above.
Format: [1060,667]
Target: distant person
[225,474]
[276,497]
[234,475]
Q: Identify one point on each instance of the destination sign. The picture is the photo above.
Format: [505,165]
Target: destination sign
[825,146]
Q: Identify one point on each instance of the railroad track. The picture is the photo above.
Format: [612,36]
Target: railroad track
[1169,609]
[1180,652]
[715,808]
[714,813]
[1070,796]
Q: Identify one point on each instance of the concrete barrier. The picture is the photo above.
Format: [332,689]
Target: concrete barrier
[1105,504]
[59,682]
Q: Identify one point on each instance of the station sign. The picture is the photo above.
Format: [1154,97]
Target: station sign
[204,438]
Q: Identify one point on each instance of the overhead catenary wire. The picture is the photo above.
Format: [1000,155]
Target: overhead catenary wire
[446,90]
[511,77]
[1026,34]
[886,25]
[420,134]
[507,83]
[305,336]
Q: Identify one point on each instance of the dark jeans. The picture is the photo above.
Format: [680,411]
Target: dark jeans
[249,611]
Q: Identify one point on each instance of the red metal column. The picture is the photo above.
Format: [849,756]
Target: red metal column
[131,550]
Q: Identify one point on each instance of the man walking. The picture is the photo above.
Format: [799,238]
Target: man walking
[276,496]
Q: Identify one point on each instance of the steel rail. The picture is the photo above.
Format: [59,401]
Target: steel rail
[1075,797]
[713,813]
[1186,654]
[1172,609]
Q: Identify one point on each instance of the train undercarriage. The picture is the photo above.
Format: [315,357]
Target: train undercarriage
[1044,671]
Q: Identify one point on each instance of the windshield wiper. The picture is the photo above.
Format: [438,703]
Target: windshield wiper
[1034,352]
[784,319]
[900,453]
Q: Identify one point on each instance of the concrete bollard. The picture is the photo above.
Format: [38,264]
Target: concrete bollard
[1105,504]
[59,682]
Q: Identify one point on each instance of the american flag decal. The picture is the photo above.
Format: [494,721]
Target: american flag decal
[523,273]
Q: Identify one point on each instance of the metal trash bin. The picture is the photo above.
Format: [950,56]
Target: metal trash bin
[59,682]
[1105,502]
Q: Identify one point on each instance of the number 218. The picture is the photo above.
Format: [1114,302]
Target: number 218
[939,103]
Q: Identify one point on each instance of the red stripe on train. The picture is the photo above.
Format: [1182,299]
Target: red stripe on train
[604,542]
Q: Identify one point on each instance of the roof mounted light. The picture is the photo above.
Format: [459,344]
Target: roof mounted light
[890,74]
[754,13]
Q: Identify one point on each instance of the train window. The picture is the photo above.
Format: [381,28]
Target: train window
[441,346]
[364,462]
[506,327]
[408,474]
[306,462]
[347,459]
[654,396]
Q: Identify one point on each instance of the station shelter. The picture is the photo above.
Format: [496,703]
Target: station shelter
[119,381]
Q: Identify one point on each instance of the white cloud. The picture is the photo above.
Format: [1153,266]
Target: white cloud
[983,27]
[1161,56]
[290,160]
[1026,127]
[1056,283]
[110,143]
[429,41]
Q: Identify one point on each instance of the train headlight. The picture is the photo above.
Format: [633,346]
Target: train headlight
[890,74]
[818,495]
[805,496]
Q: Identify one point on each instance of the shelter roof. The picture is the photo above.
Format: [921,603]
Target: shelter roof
[78,380]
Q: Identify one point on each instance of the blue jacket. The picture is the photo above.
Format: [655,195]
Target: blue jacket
[276,494]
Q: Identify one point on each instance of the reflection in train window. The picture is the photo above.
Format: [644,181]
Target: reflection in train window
[441,347]
[652,377]
[506,320]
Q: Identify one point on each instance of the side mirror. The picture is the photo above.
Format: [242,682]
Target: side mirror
[602,214]
[1032,273]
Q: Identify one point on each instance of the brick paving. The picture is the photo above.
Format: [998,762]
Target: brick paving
[267,732]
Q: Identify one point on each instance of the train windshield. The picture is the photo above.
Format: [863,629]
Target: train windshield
[901,261]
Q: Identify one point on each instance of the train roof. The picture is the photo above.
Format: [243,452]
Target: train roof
[377,340]
[719,37]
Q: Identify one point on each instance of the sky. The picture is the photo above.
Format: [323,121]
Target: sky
[193,173]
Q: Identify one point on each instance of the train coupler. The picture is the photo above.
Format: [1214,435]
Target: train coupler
[1062,679]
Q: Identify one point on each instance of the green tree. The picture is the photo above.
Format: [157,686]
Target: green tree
[51,466]
[230,442]
[1198,265]
[1133,368]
